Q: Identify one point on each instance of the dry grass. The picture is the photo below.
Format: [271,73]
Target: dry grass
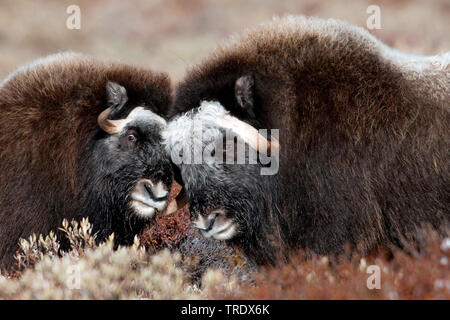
[403,276]
[91,271]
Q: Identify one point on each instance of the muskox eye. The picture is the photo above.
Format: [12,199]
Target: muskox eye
[131,138]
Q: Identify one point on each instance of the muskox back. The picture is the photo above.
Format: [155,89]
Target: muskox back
[48,126]
[364,130]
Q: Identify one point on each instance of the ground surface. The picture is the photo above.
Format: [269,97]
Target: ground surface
[170,35]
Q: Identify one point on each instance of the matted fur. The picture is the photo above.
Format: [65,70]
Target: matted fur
[48,126]
[364,133]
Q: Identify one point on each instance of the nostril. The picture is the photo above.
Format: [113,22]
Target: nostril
[148,187]
[212,220]
[163,198]
[158,192]
[205,223]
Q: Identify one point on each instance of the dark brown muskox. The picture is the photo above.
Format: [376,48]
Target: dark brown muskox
[364,135]
[55,160]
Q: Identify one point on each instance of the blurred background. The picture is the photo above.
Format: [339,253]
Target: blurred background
[170,35]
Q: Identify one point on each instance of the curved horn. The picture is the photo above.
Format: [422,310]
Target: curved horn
[250,135]
[116,97]
[110,126]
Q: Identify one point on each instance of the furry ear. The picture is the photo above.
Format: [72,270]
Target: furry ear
[117,97]
[243,90]
[116,94]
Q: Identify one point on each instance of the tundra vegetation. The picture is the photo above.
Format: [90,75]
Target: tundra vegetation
[97,271]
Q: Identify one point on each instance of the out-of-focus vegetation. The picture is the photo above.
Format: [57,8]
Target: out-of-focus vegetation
[91,271]
[170,35]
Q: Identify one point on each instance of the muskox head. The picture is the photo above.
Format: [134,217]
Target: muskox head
[128,175]
[228,169]
[74,144]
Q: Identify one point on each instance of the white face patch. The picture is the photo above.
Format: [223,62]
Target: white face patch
[225,233]
[216,225]
[197,136]
[147,198]
[183,128]
[142,209]
[140,113]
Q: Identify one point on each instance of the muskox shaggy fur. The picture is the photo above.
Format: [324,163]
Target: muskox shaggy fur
[364,135]
[56,162]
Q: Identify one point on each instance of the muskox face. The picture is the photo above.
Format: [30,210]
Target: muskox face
[225,169]
[128,174]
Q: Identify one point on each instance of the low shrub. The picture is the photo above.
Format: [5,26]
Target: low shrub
[195,268]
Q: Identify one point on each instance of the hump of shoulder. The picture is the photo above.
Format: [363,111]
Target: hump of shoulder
[69,75]
[57,59]
[290,32]
[282,42]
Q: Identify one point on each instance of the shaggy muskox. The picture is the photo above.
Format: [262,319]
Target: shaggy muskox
[364,140]
[81,138]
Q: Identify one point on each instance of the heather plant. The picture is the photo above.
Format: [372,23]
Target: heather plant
[91,270]
[34,248]
[402,275]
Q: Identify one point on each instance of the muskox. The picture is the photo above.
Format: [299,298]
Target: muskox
[363,140]
[81,138]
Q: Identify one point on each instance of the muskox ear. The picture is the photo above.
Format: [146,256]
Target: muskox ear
[115,94]
[243,90]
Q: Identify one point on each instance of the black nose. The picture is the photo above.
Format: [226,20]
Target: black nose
[205,223]
[158,192]
[211,220]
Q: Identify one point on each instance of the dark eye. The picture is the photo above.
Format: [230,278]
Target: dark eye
[131,137]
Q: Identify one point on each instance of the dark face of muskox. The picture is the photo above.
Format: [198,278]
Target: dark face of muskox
[126,172]
[228,176]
